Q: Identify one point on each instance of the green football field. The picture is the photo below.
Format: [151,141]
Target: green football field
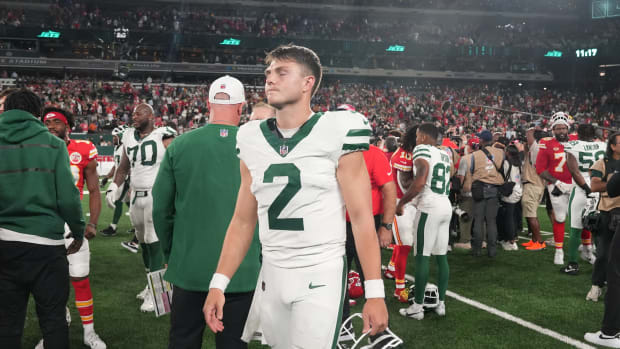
[523,284]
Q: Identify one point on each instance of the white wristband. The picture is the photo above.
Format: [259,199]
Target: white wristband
[219,281]
[374,289]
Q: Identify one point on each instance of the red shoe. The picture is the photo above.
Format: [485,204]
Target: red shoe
[528,244]
[402,295]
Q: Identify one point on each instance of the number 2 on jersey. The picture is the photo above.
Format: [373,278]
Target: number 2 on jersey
[292,187]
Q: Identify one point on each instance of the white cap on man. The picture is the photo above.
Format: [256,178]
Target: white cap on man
[230,86]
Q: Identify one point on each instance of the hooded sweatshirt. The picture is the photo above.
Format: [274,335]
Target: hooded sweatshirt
[37,193]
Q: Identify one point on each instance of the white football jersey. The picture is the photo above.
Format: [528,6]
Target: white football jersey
[586,153]
[145,155]
[437,187]
[301,212]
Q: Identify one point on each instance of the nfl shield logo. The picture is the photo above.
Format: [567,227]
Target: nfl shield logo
[223,132]
[283,149]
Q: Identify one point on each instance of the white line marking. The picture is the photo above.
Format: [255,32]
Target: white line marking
[545,331]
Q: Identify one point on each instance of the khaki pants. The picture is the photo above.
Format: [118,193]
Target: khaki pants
[532,195]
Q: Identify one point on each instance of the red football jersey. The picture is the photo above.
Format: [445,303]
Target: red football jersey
[81,152]
[552,157]
[400,161]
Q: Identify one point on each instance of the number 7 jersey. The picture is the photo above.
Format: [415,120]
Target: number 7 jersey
[301,211]
[145,155]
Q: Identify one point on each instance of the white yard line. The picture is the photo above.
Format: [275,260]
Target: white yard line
[542,330]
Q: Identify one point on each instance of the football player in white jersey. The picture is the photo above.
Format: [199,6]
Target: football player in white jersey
[143,150]
[117,134]
[582,154]
[298,170]
[429,193]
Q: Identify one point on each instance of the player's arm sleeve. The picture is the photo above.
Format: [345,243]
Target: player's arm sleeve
[357,133]
[164,191]
[92,152]
[68,196]
[542,161]
[382,169]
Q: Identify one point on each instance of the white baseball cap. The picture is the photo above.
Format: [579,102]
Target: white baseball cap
[230,86]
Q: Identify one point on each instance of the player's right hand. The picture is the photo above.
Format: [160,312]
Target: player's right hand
[375,316]
[74,246]
[111,196]
[214,310]
[565,188]
[400,209]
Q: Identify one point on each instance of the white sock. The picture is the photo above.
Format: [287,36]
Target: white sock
[113,226]
[88,328]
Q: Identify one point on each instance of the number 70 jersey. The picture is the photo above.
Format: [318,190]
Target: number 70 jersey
[301,211]
[145,155]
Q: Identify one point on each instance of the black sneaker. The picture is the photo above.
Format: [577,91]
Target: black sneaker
[109,231]
[571,269]
[130,246]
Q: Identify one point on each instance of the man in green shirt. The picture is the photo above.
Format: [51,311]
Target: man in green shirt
[194,198]
[37,197]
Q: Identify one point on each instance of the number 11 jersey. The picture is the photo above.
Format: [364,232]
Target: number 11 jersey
[301,213]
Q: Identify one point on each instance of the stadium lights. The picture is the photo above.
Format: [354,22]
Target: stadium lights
[520,84]
[230,42]
[396,48]
[553,53]
[49,34]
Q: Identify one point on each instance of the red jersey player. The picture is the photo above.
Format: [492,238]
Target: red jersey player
[551,166]
[83,158]
[402,170]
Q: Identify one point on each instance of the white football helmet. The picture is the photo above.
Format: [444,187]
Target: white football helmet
[348,340]
[560,118]
[431,296]
[118,131]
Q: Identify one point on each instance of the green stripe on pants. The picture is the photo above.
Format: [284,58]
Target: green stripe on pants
[421,262]
[575,233]
[340,307]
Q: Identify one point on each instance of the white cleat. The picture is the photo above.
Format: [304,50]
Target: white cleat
[148,305]
[68,316]
[587,255]
[143,293]
[414,311]
[599,338]
[441,308]
[559,257]
[93,341]
[40,345]
[594,293]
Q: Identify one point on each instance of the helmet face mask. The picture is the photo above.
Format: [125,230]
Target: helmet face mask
[384,340]
[431,296]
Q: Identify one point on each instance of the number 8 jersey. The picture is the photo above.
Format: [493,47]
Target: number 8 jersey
[145,155]
[301,213]
[437,187]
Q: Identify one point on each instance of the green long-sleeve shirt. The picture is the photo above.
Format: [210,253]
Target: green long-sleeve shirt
[37,193]
[194,198]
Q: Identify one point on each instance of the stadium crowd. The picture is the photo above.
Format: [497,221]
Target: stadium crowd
[101,106]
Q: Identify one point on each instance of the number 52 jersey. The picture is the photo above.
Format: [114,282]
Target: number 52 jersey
[301,211]
[145,155]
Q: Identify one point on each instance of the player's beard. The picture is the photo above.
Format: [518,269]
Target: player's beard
[142,126]
[562,137]
[60,134]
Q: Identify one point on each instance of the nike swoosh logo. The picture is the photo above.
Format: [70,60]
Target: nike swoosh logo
[312,287]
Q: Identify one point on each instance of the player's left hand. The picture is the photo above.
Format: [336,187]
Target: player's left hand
[375,316]
[385,237]
[214,310]
[90,232]
[399,209]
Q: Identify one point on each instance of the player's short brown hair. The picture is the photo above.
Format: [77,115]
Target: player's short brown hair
[301,55]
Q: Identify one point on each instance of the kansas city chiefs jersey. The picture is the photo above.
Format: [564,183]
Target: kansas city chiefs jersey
[401,161]
[145,155]
[586,154]
[552,157]
[301,212]
[437,187]
[81,152]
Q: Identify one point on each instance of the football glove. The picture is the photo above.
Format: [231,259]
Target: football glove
[112,195]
